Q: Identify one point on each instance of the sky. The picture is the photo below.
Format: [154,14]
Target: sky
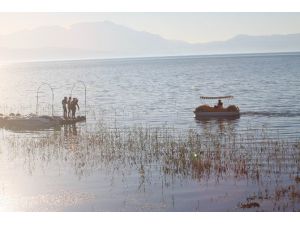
[189,27]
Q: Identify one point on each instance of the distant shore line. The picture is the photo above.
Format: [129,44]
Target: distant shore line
[163,57]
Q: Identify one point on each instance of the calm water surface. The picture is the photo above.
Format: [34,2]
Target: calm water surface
[150,92]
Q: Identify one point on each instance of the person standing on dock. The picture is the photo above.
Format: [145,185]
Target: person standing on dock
[69,106]
[64,103]
[74,103]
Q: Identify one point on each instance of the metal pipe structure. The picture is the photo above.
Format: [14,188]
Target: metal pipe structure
[37,97]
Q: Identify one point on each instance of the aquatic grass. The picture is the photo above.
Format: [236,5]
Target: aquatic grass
[282,197]
[177,152]
[185,154]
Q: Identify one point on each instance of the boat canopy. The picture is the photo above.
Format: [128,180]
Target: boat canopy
[218,97]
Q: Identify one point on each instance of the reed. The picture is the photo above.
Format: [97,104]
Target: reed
[189,154]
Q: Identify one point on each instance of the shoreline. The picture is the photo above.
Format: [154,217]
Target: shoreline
[162,57]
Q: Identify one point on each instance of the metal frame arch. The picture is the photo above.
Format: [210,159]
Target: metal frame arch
[37,97]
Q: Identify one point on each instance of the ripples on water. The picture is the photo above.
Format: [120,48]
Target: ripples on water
[160,91]
[63,169]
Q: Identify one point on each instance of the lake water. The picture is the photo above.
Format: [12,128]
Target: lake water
[147,92]
[160,91]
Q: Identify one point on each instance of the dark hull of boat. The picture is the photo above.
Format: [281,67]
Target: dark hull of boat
[217,114]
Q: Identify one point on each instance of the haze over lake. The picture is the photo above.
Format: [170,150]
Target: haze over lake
[107,39]
[136,144]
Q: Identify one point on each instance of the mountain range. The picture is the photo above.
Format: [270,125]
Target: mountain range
[107,39]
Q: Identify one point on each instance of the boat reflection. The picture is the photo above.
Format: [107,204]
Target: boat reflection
[218,124]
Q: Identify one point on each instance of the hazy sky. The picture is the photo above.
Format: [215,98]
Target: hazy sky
[190,27]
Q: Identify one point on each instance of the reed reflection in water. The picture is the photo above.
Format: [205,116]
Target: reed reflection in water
[163,168]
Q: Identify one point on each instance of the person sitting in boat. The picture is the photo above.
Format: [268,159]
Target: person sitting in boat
[220,104]
[74,103]
[64,103]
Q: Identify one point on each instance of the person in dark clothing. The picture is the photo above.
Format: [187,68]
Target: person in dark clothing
[69,106]
[64,103]
[220,104]
[74,104]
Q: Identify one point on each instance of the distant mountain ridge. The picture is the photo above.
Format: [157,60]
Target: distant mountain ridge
[106,39]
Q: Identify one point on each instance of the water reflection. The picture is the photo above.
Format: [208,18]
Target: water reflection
[123,87]
[29,129]
[218,124]
[157,156]
[70,130]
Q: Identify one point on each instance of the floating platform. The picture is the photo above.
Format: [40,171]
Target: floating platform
[34,122]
